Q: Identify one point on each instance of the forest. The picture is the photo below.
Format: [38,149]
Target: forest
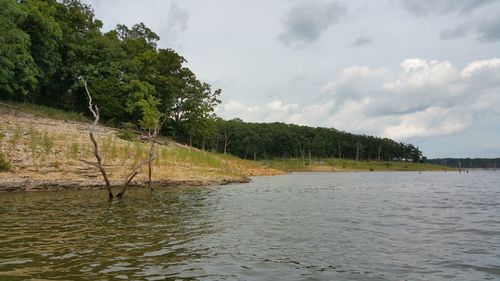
[47,48]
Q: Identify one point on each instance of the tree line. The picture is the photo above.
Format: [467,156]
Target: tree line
[48,47]
[268,140]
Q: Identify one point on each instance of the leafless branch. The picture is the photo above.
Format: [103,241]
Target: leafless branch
[95,111]
[132,174]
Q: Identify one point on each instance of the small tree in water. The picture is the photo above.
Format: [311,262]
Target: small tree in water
[142,101]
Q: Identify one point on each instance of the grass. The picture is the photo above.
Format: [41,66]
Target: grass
[297,164]
[195,157]
[73,150]
[16,136]
[47,112]
[4,163]
[127,134]
[47,143]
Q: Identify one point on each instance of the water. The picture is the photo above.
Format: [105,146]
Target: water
[318,226]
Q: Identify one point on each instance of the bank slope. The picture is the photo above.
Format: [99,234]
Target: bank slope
[45,153]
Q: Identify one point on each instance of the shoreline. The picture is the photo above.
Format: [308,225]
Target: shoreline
[39,185]
[31,185]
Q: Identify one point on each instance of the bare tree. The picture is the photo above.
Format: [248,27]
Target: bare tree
[152,136]
[130,176]
[135,169]
[95,112]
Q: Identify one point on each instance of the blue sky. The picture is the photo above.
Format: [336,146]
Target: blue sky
[425,72]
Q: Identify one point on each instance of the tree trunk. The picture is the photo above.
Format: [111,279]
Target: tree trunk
[132,174]
[150,169]
[98,164]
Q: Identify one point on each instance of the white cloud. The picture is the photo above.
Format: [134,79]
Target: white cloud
[432,121]
[423,99]
[475,67]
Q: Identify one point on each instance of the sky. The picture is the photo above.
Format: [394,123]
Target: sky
[425,72]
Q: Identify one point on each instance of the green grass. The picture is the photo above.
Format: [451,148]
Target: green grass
[73,150]
[4,163]
[298,164]
[127,134]
[46,112]
[16,136]
[47,143]
[197,157]
[224,164]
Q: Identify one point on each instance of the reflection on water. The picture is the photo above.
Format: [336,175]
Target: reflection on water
[342,226]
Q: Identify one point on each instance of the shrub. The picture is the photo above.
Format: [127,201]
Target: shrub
[126,134]
[73,150]
[47,142]
[16,136]
[4,163]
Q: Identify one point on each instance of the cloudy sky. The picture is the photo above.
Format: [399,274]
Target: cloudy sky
[425,72]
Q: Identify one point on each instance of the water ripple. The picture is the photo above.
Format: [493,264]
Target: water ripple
[320,226]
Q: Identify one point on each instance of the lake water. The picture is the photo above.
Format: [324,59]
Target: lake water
[310,226]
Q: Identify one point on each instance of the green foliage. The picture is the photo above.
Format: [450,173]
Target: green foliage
[4,163]
[17,68]
[45,35]
[126,134]
[269,140]
[142,100]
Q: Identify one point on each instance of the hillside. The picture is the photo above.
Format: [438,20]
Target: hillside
[45,153]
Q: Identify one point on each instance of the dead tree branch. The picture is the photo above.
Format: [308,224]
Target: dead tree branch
[152,135]
[132,174]
[95,111]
